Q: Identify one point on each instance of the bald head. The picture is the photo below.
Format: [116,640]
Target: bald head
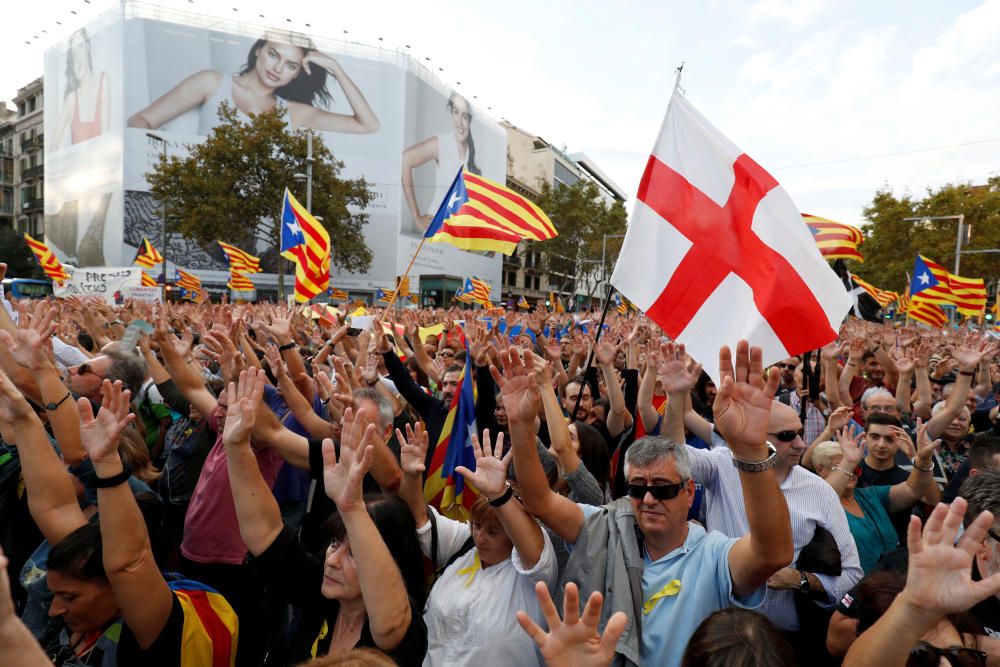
[783,418]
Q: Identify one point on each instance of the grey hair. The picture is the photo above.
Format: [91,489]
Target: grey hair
[874,391]
[982,492]
[824,453]
[130,368]
[385,413]
[941,405]
[651,449]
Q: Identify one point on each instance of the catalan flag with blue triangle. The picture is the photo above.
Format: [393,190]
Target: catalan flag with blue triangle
[445,489]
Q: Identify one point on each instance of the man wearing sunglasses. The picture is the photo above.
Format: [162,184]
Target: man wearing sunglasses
[664,573]
[812,504]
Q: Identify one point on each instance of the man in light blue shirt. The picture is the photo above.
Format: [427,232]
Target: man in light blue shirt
[664,573]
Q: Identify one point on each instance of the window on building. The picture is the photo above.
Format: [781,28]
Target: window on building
[536,282]
[31,104]
[564,175]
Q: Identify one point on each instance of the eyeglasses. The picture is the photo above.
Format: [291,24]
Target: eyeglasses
[884,409]
[788,436]
[790,367]
[658,491]
[925,655]
[84,369]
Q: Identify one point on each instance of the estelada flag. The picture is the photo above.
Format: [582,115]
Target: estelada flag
[932,283]
[883,297]
[444,488]
[716,250]
[147,256]
[478,214]
[239,282]
[835,240]
[305,241]
[240,260]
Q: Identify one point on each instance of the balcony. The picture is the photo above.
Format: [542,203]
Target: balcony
[32,205]
[31,144]
[33,172]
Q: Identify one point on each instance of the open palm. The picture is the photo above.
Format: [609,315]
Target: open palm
[343,478]
[490,474]
[743,402]
[673,372]
[99,435]
[518,387]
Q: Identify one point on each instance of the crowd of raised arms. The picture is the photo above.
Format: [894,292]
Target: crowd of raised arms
[246,485]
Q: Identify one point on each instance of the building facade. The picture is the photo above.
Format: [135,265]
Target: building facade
[531,162]
[8,136]
[28,151]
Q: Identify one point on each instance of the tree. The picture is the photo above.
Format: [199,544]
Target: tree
[891,243]
[583,217]
[20,260]
[231,185]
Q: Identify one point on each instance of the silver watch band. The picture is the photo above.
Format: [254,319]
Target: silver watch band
[758,466]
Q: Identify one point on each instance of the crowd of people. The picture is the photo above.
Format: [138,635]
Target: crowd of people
[244,484]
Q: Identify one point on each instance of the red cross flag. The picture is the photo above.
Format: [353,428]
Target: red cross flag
[716,250]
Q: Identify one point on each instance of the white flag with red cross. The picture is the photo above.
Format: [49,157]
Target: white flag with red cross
[716,250]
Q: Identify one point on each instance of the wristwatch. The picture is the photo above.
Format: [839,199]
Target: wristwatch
[804,586]
[758,466]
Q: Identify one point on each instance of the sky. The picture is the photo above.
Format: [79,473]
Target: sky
[836,99]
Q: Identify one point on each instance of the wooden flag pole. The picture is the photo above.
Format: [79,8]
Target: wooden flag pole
[409,266]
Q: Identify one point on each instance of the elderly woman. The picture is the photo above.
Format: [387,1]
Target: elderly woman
[868,509]
[490,565]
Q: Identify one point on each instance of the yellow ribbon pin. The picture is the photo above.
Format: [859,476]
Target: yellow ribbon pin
[671,589]
[471,571]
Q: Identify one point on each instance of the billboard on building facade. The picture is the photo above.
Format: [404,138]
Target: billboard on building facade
[378,111]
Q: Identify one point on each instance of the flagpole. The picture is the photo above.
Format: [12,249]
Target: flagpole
[590,358]
[409,266]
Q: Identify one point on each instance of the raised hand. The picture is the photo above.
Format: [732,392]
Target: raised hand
[413,449]
[573,641]
[490,475]
[13,406]
[343,479]
[832,351]
[839,418]
[99,435]
[369,374]
[241,414]
[273,358]
[971,353]
[605,353]
[850,445]
[925,446]
[743,402]
[673,372]
[31,346]
[939,579]
[518,388]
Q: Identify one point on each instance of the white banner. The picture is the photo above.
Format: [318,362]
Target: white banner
[108,283]
[143,294]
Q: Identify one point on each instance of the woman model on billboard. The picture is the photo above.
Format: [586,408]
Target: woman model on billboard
[276,75]
[86,107]
[450,150]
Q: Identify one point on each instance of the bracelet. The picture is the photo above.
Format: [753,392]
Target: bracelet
[53,406]
[502,500]
[967,373]
[114,480]
[286,346]
[849,474]
[914,462]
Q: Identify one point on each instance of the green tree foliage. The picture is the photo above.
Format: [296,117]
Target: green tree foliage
[20,260]
[583,217]
[891,243]
[230,187]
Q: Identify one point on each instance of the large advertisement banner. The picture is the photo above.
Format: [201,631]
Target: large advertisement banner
[83,145]
[382,115]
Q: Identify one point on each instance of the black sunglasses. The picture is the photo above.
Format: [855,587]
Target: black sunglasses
[83,369]
[788,436]
[790,367]
[925,655]
[658,491]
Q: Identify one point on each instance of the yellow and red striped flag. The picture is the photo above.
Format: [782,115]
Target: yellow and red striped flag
[148,280]
[384,295]
[478,214]
[338,294]
[835,239]
[50,264]
[932,283]
[239,282]
[883,297]
[188,281]
[478,291]
[928,313]
[306,242]
[240,260]
[147,256]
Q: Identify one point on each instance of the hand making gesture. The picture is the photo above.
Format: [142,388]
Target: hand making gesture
[241,414]
[743,402]
[343,479]
[490,474]
[517,384]
[413,449]
[99,435]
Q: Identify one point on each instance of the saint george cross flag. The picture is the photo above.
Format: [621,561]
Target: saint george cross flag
[716,250]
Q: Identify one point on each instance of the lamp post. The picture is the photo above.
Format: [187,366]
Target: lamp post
[163,213]
[961,232]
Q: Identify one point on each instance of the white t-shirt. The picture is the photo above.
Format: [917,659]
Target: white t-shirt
[470,613]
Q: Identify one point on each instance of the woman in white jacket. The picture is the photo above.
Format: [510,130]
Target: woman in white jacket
[470,613]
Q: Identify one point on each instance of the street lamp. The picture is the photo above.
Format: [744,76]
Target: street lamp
[163,226]
[959,237]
